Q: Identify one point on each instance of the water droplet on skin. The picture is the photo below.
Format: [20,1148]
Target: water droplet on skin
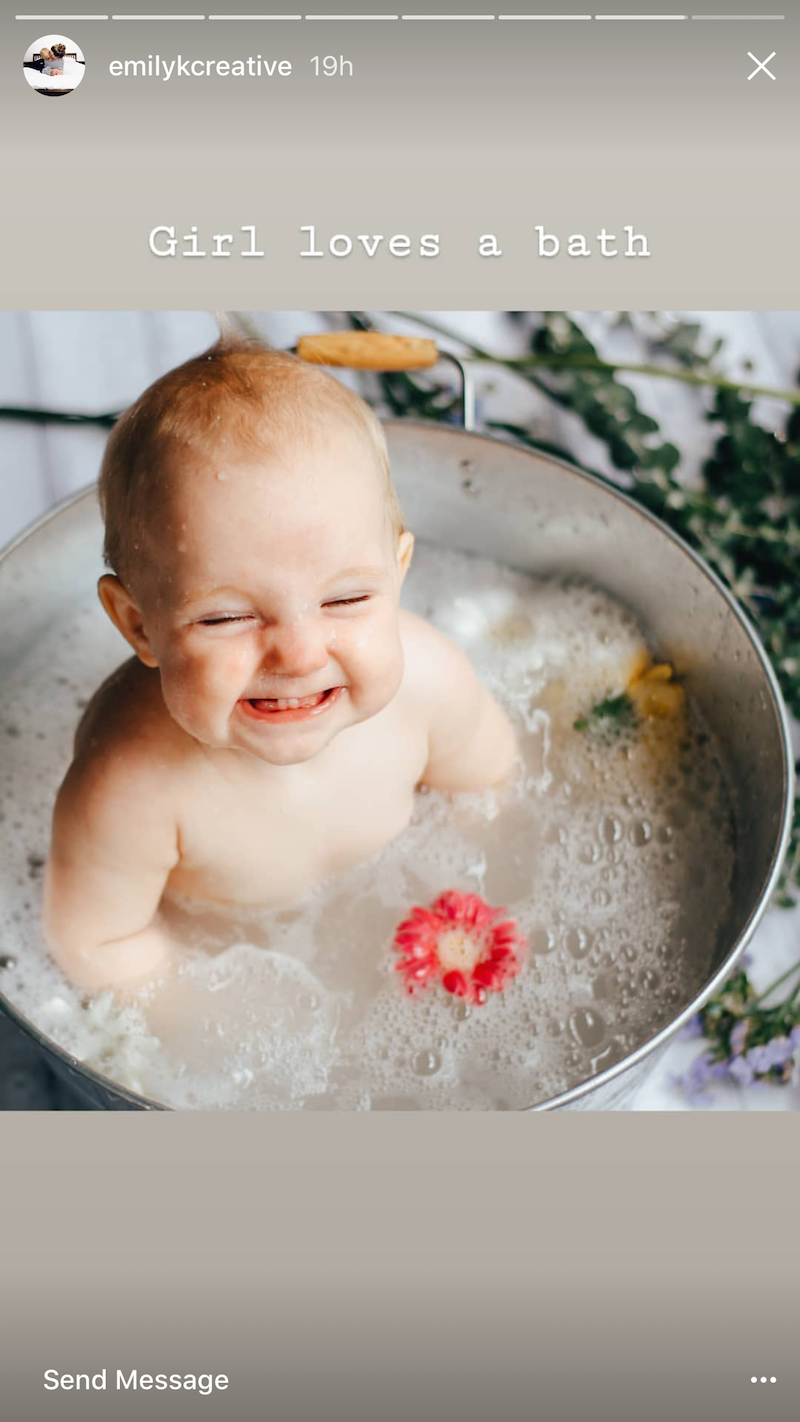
[590,853]
[641,833]
[426,1063]
[587,1027]
[6,961]
[665,834]
[601,897]
[555,1026]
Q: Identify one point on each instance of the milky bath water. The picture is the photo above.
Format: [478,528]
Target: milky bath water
[613,848]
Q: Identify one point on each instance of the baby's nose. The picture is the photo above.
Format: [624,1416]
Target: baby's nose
[294,650]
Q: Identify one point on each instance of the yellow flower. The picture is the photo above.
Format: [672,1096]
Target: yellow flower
[653,690]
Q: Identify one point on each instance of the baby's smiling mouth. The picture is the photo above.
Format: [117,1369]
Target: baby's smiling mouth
[294,708]
[284,703]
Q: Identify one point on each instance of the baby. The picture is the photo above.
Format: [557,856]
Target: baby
[53,62]
[280,708]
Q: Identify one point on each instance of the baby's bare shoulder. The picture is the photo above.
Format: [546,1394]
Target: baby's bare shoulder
[434,666]
[127,738]
[116,813]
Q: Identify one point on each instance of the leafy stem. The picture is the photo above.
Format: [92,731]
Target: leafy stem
[525,365]
[784,977]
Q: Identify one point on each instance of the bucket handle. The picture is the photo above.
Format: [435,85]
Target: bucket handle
[375,350]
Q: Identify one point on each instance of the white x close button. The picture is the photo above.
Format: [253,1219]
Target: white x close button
[761,65]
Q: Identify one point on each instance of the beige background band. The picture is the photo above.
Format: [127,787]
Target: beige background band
[452,129]
[393,1267]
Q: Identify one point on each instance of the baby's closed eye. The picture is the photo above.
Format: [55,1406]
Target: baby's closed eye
[223,618]
[220,621]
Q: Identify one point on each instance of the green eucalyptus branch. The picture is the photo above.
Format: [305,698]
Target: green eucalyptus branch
[37,416]
[527,364]
[768,991]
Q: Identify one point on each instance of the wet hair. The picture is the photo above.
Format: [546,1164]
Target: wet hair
[239,391]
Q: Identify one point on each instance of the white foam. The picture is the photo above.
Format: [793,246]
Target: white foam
[594,848]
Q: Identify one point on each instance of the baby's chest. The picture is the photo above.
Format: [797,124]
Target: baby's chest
[245,842]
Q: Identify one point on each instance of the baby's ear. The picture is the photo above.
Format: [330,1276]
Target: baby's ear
[126,616]
[405,548]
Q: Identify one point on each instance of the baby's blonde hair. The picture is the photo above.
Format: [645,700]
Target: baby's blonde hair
[239,391]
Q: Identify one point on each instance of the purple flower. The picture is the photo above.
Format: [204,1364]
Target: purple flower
[694,1081]
[693,1028]
[775,1053]
[741,1071]
[700,1070]
[781,1049]
[760,1058]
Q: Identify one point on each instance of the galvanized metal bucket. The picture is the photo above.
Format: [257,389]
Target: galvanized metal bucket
[544,517]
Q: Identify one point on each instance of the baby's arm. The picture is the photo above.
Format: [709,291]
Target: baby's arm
[113,845]
[471,745]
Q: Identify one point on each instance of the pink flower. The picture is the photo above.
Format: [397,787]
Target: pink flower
[459,942]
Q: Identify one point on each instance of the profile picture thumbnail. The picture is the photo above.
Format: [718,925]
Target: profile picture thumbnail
[53,65]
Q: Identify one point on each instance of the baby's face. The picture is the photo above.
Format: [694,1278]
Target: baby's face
[278,583]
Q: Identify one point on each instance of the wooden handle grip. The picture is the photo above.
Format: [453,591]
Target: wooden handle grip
[368,350]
